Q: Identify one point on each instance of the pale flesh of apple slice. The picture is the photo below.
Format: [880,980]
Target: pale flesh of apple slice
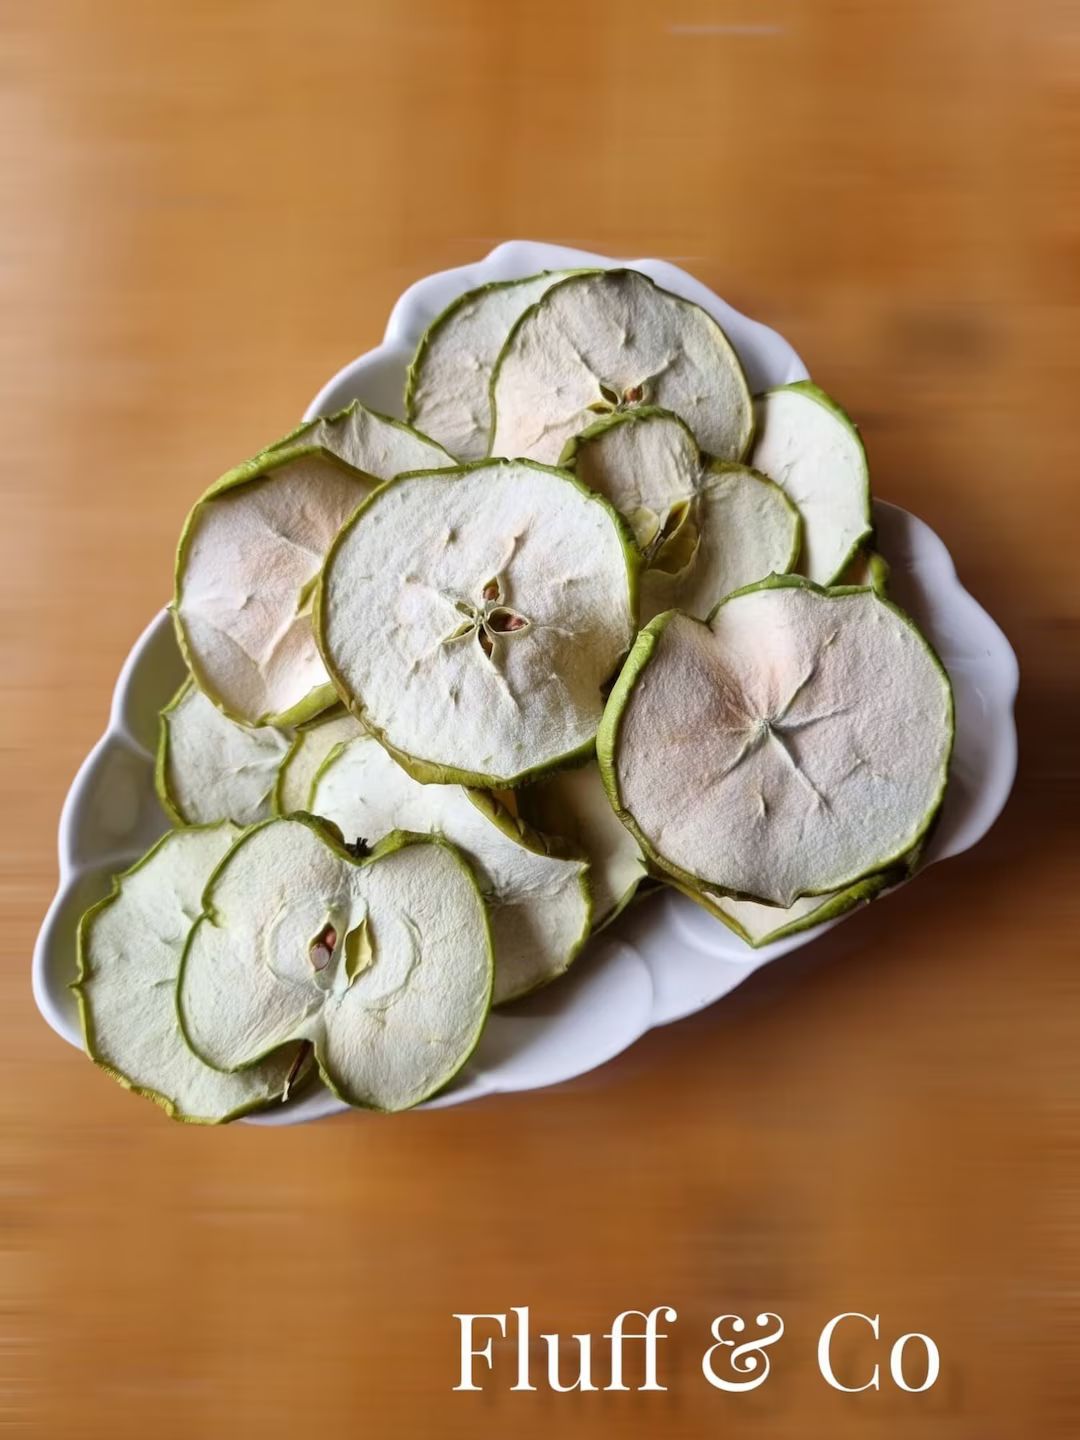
[447,390]
[794,744]
[382,963]
[706,527]
[129,949]
[209,768]
[246,569]
[311,745]
[538,903]
[808,445]
[573,805]
[369,441]
[470,619]
[606,341]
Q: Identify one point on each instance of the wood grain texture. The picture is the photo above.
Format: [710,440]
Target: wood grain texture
[208,207]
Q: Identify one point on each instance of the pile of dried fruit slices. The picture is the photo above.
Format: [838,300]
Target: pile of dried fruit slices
[457,686]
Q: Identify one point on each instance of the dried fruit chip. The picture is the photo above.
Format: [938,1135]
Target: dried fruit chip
[129,947]
[371,442]
[573,805]
[606,341]
[447,391]
[246,569]
[311,745]
[761,925]
[808,445]
[794,744]
[470,619]
[383,963]
[209,768]
[706,527]
[539,902]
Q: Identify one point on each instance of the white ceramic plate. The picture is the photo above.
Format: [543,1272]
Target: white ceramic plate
[666,958]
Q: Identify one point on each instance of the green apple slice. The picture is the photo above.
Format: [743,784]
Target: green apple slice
[246,568]
[369,441]
[129,950]
[447,388]
[760,925]
[573,805]
[538,902]
[808,445]
[645,461]
[311,744]
[209,768]
[706,527]
[611,340]
[470,619]
[792,745]
[383,963]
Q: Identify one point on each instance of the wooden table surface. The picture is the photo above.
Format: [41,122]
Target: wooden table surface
[205,209]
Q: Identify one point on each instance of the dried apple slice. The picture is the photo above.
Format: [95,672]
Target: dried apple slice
[372,442]
[129,950]
[209,768]
[705,527]
[538,902]
[611,340]
[311,745]
[470,619]
[573,805]
[794,744]
[809,446]
[760,925]
[246,568]
[447,388]
[382,963]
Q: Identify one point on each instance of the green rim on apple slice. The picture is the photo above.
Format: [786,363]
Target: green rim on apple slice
[705,527]
[792,745]
[246,569]
[209,768]
[867,567]
[538,902]
[447,387]
[369,441]
[610,340]
[129,951]
[573,805]
[382,963]
[760,925]
[312,743]
[470,619]
[806,443]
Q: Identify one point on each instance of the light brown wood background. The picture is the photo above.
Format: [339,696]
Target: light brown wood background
[205,209]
